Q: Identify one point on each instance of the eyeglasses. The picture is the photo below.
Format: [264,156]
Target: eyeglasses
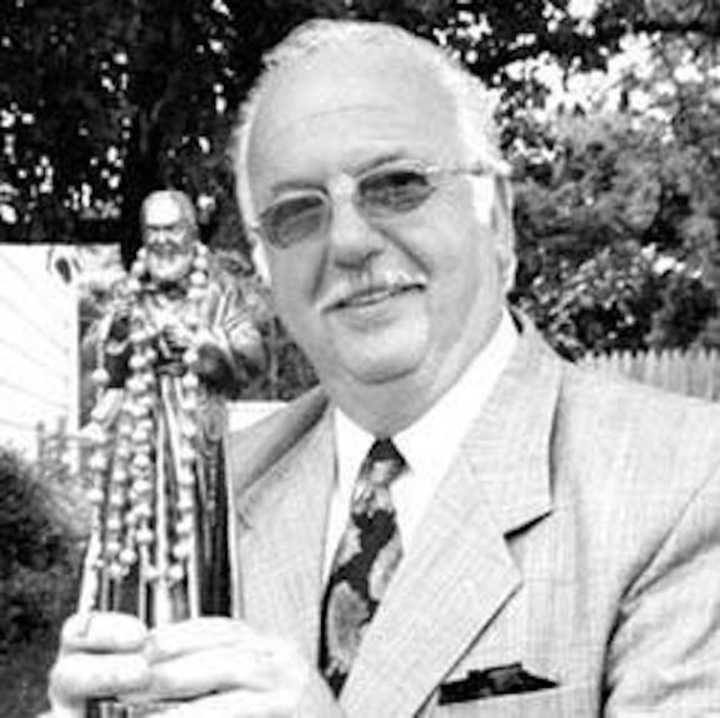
[381,193]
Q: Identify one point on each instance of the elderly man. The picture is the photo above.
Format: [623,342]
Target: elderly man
[456,522]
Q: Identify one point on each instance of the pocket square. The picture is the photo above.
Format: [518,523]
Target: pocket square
[496,681]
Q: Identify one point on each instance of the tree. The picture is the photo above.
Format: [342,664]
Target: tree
[618,207]
[101,102]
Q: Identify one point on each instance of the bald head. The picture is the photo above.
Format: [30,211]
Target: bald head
[168,202]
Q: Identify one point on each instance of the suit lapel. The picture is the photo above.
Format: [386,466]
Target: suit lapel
[459,572]
[281,537]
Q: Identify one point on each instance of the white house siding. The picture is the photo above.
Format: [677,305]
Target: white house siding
[38,346]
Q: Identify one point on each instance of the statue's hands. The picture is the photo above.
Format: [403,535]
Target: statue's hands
[220,667]
[119,328]
[122,306]
[178,338]
[101,654]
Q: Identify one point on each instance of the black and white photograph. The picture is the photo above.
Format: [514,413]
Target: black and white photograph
[359,359]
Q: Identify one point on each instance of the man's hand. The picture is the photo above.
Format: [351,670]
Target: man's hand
[101,654]
[203,668]
[223,668]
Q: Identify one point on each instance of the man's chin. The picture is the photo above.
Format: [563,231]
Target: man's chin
[379,357]
[381,367]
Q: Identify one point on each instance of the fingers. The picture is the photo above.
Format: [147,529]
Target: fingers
[176,335]
[171,640]
[211,661]
[235,704]
[103,632]
[211,670]
[211,655]
[77,676]
[100,654]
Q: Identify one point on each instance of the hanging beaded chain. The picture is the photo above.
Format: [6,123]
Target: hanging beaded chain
[130,488]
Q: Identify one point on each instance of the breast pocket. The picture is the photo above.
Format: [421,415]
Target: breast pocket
[575,701]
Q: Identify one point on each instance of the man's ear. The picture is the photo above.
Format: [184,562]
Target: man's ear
[504,230]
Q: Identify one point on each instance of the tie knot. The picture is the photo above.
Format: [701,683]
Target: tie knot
[382,464]
[384,450]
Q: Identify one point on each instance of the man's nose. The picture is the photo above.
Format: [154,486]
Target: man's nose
[351,236]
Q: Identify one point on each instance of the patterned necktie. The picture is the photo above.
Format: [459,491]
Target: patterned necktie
[366,557]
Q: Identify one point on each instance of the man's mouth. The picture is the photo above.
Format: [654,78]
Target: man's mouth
[378,290]
[373,296]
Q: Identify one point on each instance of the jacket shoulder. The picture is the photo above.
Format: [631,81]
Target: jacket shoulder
[623,407]
[633,444]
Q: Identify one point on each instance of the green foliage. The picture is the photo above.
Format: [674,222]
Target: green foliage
[289,373]
[617,244]
[38,559]
[24,670]
[697,15]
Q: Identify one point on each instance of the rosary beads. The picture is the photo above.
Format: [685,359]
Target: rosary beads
[142,464]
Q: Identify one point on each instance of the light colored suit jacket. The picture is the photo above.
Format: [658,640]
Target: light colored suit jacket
[577,532]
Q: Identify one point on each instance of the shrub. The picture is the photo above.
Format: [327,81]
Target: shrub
[39,557]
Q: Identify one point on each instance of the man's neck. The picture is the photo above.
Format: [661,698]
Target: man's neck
[387,408]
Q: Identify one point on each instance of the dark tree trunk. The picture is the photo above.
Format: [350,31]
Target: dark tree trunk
[142,176]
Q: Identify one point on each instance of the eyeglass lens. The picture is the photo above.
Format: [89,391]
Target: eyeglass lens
[380,193]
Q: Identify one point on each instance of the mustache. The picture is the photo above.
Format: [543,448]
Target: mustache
[353,286]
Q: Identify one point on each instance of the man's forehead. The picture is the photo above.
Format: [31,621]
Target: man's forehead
[312,123]
[371,97]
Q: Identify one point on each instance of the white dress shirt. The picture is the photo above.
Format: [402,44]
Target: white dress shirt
[428,445]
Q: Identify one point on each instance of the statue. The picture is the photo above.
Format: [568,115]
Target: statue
[173,346]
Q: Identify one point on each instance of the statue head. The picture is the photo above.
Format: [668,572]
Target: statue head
[169,231]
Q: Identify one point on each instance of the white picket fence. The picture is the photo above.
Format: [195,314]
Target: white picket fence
[38,346]
[694,373]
